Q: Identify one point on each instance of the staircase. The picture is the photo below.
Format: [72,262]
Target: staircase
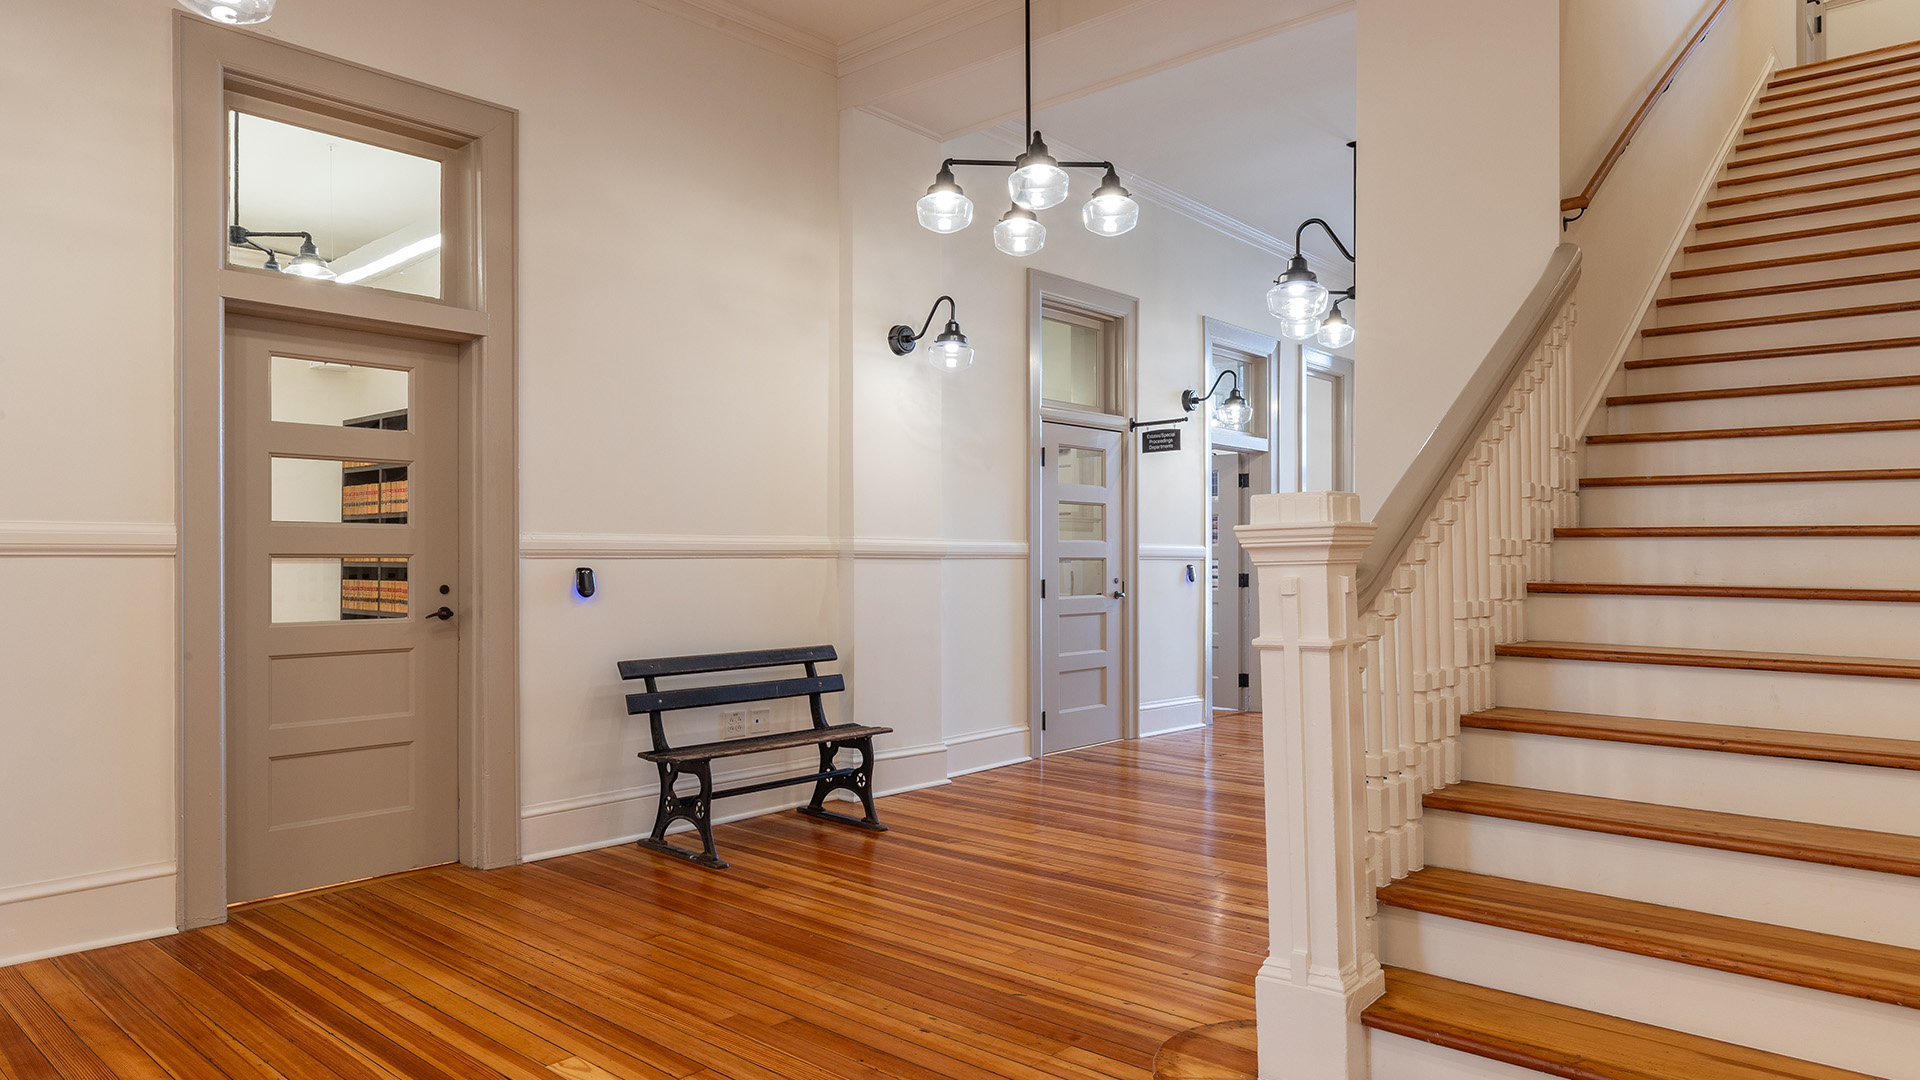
[1687,846]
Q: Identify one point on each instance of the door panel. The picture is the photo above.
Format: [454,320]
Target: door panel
[342,707]
[1080,616]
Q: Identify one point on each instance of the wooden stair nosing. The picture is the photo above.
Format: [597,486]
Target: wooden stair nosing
[1856,80]
[1807,476]
[1560,1040]
[1812,189]
[1688,735]
[1797,260]
[1745,532]
[1837,114]
[1807,211]
[1826,348]
[1802,72]
[1784,318]
[1742,592]
[1851,95]
[1768,390]
[1803,234]
[1887,278]
[1858,125]
[1825,166]
[1873,667]
[1888,974]
[1829,148]
[1850,427]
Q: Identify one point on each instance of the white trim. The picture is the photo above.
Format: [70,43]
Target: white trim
[79,883]
[899,547]
[89,538]
[1188,713]
[980,736]
[692,546]
[1631,334]
[932,25]
[1174,552]
[745,24]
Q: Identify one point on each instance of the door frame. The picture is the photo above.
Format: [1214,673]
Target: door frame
[478,146]
[1042,288]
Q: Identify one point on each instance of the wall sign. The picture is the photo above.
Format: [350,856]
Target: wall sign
[1159,440]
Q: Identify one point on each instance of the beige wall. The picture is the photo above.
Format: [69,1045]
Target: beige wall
[1459,195]
[1858,25]
[1611,51]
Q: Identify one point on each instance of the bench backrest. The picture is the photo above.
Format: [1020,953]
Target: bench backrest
[656,701]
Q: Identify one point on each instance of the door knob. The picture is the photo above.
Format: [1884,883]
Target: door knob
[443,614]
[1118,595]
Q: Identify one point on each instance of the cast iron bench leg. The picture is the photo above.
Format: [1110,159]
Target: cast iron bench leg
[860,783]
[696,808]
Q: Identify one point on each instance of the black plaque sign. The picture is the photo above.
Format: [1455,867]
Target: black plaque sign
[1159,440]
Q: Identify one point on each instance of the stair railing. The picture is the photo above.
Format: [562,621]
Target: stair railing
[1375,637]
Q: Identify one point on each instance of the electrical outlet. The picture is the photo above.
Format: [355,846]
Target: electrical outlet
[735,722]
[758,720]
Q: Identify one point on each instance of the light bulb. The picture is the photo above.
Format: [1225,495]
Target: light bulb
[1299,329]
[1038,182]
[309,264]
[1112,210]
[1336,331]
[1298,294]
[1019,232]
[232,12]
[945,208]
[1233,412]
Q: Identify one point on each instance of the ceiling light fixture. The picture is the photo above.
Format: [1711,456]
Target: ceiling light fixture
[1233,412]
[232,12]
[304,263]
[1306,308]
[949,351]
[1039,181]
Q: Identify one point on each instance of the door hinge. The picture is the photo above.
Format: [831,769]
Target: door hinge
[1245,683]
[1244,580]
[1043,588]
[1246,480]
[1043,457]
[1043,719]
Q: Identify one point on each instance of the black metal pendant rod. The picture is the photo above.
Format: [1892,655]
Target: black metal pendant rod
[951,162]
[1029,73]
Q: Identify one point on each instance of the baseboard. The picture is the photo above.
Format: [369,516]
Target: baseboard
[981,750]
[87,911]
[1172,714]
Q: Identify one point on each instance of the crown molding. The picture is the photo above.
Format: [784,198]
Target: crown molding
[745,24]
[945,20]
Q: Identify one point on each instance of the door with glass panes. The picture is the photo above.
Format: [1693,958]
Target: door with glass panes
[1081,625]
[343,586]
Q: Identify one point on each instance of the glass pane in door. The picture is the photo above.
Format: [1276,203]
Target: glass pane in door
[1079,465]
[1083,521]
[307,590]
[359,492]
[339,394]
[1083,577]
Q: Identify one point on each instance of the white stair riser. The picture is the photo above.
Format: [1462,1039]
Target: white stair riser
[1858,450]
[1826,133]
[1842,266]
[1784,700]
[1741,624]
[1850,502]
[1739,167]
[1821,792]
[1820,407]
[1812,245]
[1785,892]
[1823,219]
[1811,562]
[1804,106]
[1812,332]
[1848,1033]
[1891,292]
[1895,182]
[1396,1057]
[1785,177]
[1774,371]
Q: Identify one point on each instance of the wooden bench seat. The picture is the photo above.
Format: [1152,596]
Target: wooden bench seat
[695,759]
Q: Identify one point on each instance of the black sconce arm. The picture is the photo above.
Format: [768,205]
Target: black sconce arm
[1331,235]
[1191,401]
[947,165]
[902,337]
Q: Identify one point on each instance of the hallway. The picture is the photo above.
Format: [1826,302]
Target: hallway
[1058,918]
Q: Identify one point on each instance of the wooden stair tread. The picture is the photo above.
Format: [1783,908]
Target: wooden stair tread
[1786,317]
[1881,667]
[1793,286]
[1797,260]
[1805,234]
[1827,148]
[1642,532]
[1847,427]
[1909,68]
[1825,348]
[1837,129]
[1853,62]
[1835,99]
[1563,1041]
[1830,845]
[1824,166]
[1888,974]
[1766,390]
[1812,476]
[1837,114]
[1685,734]
[1753,592]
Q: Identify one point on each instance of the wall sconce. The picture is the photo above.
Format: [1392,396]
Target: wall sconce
[1232,412]
[1304,306]
[949,351]
[232,12]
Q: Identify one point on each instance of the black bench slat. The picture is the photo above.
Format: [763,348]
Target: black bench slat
[782,740]
[700,697]
[733,661]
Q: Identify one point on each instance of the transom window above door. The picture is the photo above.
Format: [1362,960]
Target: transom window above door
[1079,361]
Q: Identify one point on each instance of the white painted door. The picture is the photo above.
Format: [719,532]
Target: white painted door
[1229,638]
[1083,591]
[343,639]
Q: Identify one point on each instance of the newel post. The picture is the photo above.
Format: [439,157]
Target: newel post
[1323,967]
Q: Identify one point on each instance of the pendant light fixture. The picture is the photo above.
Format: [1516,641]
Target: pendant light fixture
[305,263]
[1307,309]
[1039,181]
[949,351]
[232,12]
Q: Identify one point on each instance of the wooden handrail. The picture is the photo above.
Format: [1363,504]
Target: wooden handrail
[1585,198]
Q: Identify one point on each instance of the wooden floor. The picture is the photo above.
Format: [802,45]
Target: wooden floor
[1053,919]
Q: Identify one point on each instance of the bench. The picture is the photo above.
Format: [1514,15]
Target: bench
[696,760]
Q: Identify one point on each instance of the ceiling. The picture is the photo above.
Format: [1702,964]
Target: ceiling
[841,22]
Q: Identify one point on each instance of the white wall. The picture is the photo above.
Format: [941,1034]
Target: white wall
[1611,51]
[1859,25]
[1459,194]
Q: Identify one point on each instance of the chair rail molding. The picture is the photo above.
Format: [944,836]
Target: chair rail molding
[88,538]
